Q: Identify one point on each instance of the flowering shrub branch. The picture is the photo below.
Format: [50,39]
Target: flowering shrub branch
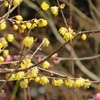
[23,68]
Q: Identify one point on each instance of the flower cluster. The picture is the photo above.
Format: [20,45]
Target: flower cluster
[25,63]
[46,64]
[57,82]
[5,53]
[68,34]
[33,73]
[80,82]
[42,22]
[16,2]
[19,75]
[43,80]
[24,83]
[21,26]
[10,37]
[2,24]
[54,9]
[6,4]
[45,6]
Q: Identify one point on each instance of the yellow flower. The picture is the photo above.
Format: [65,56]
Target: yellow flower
[19,18]
[79,82]
[11,78]
[42,22]
[43,80]
[15,27]
[57,82]
[46,43]
[44,6]
[5,53]
[54,10]
[68,36]
[70,83]
[10,37]
[84,37]
[4,42]
[2,24]
[33,73]
[20,75]
[1,59]
[24,83]
[46,64]
[87,83]
[16,2]
[62,6]
[28,41]
[63,31]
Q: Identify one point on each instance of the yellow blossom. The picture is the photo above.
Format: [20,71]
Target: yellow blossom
[54,10]
[20,75]
[44,6]
[10,37]
[2,24]
[5,53]
[42,22]
[62,6]
[24,83]
[43,80]
[28,41]
[46,43]
[46,64]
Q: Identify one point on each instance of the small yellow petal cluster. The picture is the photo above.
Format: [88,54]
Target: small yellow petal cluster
[5,53]
[83,37]
[42,22]
[35,23]
[24,83]
[11,78]
[87,83]
[67,34]
[6,4]
[20,75]
[28,41]
[16,2]
[62,6]
[19,17]
[28,25]
[25,63]
[33,73]
[80,82]
[70,83]
[37,79]
[54,10]
[2,24]
[44,6]
[3,42]
[46,42]
[1,59]
[99,86]
[10,37]
[44,80]
[46,64]
[57,82]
